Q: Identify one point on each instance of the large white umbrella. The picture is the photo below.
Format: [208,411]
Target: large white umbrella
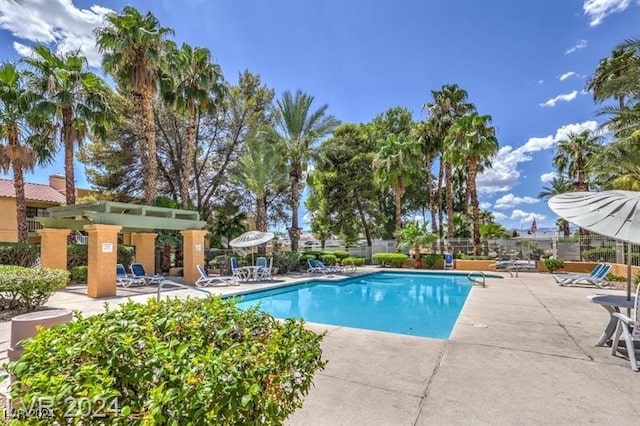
[615,214]
[251,239]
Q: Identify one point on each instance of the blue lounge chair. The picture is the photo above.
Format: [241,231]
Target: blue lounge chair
[314,267]
[137,271]
[598,280]
[567,276]
[125,280]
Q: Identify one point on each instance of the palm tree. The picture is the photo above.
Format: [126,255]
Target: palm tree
[261,171]
[193,84]
[616,76]
[573,156]
[24,147]
[132,45]
[297,129]
[77,99]
[471,144]
[559,185]
[229,221]
[448,103]
[395,164]
[430,145]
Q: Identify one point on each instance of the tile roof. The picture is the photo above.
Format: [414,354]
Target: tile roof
[32,191]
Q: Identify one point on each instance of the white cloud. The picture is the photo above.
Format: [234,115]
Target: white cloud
[22,50]
[54,22]
[597,10]
[581,44]
[566,75]
[499,216]
[509,200]
[565,97]
[505,174]
[540,81]
[485,205]
[548,177]
[523,216]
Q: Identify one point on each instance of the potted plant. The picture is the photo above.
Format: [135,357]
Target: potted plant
[415,236]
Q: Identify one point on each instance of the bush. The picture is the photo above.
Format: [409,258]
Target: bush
[355,261]
[77,255]
[329,259]
[304,258]
[431,260]
[615,278]
[222,262]
[394,259]
[553,264]
[176,362]
[19,254]
[79,274]
[340,254]
[286,261]
[29,288]
[472,257]
[599,254]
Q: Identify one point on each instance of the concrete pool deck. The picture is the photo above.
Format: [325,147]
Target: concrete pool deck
[522,352]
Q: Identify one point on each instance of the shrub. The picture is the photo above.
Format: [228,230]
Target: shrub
[340,254]
[329,259]
[355,261]
[29,288]
[19,254]
[553,264]
[304,258]
[77,255]
[599,254]
[222,262]
[79,274]
[174,362]
[394,259]
[615,278]
[286,261]
[472,257]
[430,260]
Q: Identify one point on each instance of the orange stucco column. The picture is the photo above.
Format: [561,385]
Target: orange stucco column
[53,247]
[145,244]
[193,252]
[103,255]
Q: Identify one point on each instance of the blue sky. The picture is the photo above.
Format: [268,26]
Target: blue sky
[524,63]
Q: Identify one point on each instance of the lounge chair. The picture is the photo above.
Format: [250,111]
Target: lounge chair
[205,279]
[598,280]
[125,280]
[564,276]
[264,272]
[137,271]
[333,268]
[631,329]
[314,267]
[448,261]
[237,271]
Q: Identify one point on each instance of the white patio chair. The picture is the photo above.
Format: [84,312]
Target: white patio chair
[264,273]
[205,279]
[631,329]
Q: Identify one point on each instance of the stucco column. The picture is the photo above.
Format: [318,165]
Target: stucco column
[53,248]
[103,255]
[193,253]
[145,244]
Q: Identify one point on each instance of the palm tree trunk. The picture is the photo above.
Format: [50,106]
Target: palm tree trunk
[67,141]
[398,194]
[151,166]
[261,221]
[448,175]
[21,204]
[189,158]
[475,207]
[440,200]
[294,230]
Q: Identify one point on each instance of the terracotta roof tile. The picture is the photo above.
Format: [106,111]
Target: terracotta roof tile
[32,191]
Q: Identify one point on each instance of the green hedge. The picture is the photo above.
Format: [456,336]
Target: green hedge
[340,254]
[394,259]
[553,264]
[329,259]
[79,274]
[19,254]
[77,255]
[430,260]
[355,261]
[286,261]
[599,254]
[176,362]
[29,288]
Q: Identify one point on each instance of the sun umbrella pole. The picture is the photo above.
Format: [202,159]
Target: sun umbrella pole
[628,271]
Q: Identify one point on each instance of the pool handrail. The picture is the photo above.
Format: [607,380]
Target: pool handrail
[188,287]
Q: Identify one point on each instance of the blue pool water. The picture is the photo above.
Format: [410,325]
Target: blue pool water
[425,305]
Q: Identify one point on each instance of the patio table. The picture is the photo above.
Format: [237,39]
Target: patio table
[611,303]
[252,272]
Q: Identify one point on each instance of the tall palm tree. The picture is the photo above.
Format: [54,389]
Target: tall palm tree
[76,98]
[132,45]
[616,76]
[559,185]
[572,157]
[471,144]
[297,129]
[21,148]
[426,134]
[395,164]
[448,103]
[193,84]
[260,169]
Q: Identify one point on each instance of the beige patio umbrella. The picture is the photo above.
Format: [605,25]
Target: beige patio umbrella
[251,239]
[614,214]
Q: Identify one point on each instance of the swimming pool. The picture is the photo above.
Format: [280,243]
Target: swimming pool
[417,304]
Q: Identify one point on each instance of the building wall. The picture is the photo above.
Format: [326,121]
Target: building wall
[8,222]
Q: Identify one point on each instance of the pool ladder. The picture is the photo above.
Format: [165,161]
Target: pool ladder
[477,278]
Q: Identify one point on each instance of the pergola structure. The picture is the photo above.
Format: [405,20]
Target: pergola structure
[103,221]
